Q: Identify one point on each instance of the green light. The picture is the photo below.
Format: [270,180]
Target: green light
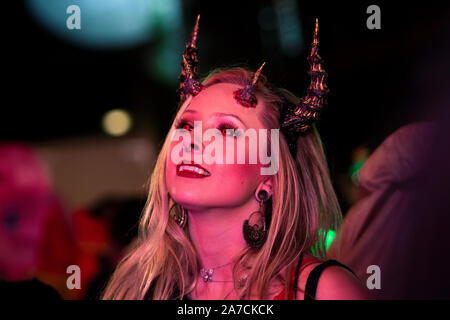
[355,168]
[329,238]
[330,235]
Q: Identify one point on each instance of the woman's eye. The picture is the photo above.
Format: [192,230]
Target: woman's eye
[185,126]
[227,131]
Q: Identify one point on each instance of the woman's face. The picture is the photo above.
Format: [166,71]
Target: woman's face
[227,184]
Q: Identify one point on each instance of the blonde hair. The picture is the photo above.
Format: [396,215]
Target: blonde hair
[162,263]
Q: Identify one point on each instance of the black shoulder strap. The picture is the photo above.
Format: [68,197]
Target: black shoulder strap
[297,270]
[314,275]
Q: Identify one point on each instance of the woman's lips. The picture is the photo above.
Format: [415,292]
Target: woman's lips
[192,171]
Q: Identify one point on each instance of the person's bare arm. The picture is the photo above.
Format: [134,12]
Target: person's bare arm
[337,283]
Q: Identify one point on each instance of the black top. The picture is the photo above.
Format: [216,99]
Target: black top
[314,275]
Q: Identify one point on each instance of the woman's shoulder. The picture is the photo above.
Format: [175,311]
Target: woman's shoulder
[308,263]
[332,281]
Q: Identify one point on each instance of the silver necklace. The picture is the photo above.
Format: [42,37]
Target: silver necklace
[241,284]
[207,274]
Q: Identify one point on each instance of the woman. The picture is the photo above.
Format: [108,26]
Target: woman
[221,230]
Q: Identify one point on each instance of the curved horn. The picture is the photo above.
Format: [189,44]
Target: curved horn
[298,118]
[188,85]
[191,47]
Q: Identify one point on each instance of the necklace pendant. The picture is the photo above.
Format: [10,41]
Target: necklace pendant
[206,274]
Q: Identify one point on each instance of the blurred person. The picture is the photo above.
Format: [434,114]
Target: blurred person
[228,231]
[92,240]
[38,242]
[384,228]
[57,250]
[401,223]
[25,199]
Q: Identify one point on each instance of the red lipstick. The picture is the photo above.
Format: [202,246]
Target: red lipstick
[192,171]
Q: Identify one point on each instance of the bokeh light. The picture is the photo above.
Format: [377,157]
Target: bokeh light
[116,122]
[106,24]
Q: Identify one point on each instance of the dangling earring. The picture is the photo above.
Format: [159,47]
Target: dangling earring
[179,216]
[256,235]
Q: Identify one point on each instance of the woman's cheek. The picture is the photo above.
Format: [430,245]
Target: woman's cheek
[239,174]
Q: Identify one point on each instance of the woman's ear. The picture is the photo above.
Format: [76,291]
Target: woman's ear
[266,185]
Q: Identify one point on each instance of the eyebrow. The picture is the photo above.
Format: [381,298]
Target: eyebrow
[220,114]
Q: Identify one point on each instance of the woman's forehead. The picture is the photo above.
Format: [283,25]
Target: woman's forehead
[220,98]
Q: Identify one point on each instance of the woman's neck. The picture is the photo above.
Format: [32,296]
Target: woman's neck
[217,236]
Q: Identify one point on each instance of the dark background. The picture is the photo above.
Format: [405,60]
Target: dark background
[55,89]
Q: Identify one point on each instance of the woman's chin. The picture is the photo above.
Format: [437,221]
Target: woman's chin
[189,198]
[192,204]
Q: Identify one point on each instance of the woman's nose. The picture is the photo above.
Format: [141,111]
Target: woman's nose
[192,145]
[189,147]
